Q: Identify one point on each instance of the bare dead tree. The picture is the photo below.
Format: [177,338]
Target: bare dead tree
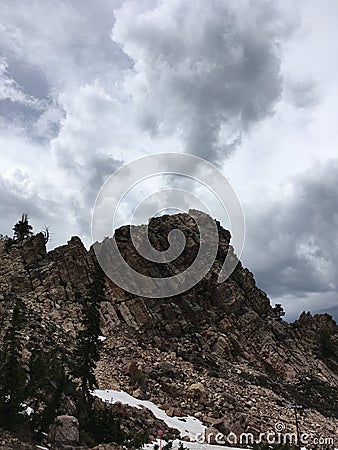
[46,233]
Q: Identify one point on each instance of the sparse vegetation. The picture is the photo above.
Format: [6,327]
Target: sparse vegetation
[13,377]
[54,378]
[326,347]
[103,427]
[22,229]
[46,234]
[315,393]
[278,311]
[49,385]
[137,440]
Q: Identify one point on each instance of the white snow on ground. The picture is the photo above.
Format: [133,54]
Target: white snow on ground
[102,338]
[187,426]
[197,446]
[193,446]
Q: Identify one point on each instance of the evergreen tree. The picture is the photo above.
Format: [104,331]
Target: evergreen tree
[49,383]
[87,351]
[104,428]
[279,311]
[327,347]
[22,229]
[13,377]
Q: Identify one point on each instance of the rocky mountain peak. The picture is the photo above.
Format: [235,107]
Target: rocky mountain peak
[226,337]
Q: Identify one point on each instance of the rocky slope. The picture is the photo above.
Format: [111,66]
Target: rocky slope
[218,351]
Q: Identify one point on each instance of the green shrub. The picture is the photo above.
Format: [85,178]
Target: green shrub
[103,427]
[137,440]
[326,347]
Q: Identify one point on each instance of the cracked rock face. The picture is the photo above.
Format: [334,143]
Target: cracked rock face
[225,337]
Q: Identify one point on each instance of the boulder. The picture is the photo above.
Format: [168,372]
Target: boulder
[132,370]
[64,431]
[197,391]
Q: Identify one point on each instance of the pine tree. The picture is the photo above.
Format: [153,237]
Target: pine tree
[103,427]
[13,377]
[49,383]
[87,352]
[327,347]
[279,311]
[22,229]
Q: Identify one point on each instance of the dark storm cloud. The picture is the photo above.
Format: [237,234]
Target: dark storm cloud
[93,172]
[101,168]
[292,243]
[202,69]
[51,52]
[48,47]
[89,78]
[96,171]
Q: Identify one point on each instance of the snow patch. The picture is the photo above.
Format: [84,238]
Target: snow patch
[192,446]
[187,426]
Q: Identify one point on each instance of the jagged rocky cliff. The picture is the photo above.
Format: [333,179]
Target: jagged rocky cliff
[217,352]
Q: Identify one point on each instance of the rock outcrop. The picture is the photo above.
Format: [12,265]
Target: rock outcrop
[64,432]
[223,338]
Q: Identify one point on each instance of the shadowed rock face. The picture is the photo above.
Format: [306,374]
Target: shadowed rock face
[204,303]
[224,336]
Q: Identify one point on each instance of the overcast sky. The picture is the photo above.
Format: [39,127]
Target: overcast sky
[251,86]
